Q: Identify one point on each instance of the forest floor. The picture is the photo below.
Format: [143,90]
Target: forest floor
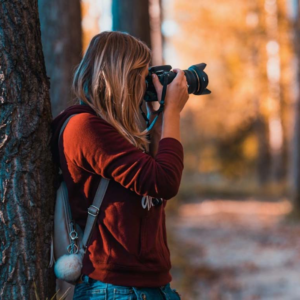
[234,250]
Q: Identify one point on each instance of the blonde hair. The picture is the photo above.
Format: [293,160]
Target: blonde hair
[109,80]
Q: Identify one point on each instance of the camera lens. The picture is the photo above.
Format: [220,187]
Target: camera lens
[197,79]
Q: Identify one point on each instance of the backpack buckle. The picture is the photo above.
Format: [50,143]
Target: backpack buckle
[93,211]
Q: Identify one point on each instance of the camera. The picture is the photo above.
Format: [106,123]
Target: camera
[196,78]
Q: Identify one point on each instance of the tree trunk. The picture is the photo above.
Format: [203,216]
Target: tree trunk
[263,155]
[155,12]
[27,173]
[62,47]
[295,143]
[132,16]
[276,135]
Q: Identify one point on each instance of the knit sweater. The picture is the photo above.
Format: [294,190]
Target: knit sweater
[128,245]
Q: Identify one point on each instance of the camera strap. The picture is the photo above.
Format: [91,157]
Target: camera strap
[156,201]
[161,108]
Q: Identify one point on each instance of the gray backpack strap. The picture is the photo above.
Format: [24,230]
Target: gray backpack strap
[93,210]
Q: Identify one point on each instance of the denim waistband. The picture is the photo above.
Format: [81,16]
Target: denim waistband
[87,279]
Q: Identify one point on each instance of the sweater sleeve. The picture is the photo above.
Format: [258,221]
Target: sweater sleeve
[95,145]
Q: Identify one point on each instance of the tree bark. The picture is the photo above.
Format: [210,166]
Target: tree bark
[27,171]
[132,16]
[62,47]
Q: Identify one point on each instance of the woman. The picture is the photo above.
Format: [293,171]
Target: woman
[128,256]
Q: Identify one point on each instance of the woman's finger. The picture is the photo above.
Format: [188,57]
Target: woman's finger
[180,75]
[158,86]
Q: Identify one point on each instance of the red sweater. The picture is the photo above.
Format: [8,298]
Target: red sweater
[128,245]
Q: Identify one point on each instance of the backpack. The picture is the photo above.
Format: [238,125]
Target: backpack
[69,243]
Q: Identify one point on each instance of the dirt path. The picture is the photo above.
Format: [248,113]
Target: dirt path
[232,250]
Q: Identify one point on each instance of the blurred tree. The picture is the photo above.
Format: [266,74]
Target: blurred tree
[62,46]
[132,16]
[295,144]
[286,83]
[258,79]
[273,67]
[26,173]
[155,12]
[263,152]
[92,15]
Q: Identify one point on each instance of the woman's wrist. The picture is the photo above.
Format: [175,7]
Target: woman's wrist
[156,132]
[169,113]
[171,124]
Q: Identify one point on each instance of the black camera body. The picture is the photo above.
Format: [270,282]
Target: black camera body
[196,78]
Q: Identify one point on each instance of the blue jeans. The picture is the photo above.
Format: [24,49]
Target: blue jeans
[91,289]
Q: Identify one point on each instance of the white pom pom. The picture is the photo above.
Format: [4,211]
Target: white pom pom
[68,267]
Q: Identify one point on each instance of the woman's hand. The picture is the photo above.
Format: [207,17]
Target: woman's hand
[158,86]
[176,98]
[176,95]
[154,106]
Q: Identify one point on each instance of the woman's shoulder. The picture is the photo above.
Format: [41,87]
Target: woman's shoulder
[90,131]
[85,123]
[85,118]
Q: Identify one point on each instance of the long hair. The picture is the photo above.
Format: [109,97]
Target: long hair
[109,80]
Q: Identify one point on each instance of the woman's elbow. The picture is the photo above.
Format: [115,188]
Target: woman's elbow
[169,190]
[164,184]
[170,195]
